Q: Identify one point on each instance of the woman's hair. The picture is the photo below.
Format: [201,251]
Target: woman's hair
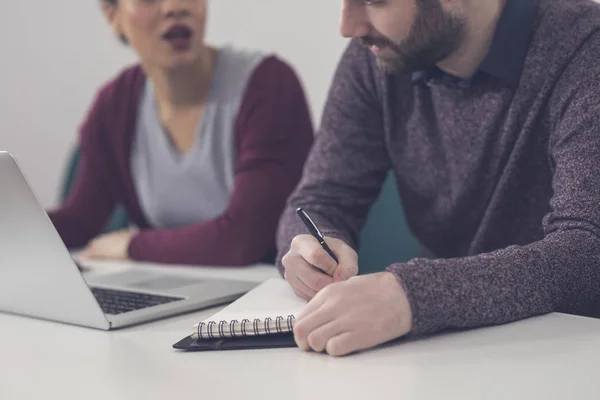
[114,3]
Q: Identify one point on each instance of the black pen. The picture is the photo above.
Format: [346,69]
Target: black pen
[315,232]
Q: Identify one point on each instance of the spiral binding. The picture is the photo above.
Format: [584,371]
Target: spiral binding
[206,330]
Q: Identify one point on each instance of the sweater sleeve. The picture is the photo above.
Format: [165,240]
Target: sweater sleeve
[274,132]
[348,163]
[89,204]
[558,273]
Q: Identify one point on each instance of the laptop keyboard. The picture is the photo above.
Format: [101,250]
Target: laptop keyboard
[115,302]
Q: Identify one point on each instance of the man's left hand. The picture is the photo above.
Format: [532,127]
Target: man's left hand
[357,314]
[112,246]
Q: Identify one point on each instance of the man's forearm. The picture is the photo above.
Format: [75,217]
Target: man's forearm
[558,273]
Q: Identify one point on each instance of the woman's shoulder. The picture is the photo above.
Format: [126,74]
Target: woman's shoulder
[240,68]
[121,87]
[113,105]
[253,59]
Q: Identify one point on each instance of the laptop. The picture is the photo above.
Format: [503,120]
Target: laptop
[40,279]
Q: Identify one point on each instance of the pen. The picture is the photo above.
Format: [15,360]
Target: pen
[315,232]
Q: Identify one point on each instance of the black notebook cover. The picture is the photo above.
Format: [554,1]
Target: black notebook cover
[238,343]
[261,319]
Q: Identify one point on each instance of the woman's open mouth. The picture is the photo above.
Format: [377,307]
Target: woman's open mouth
[179,37]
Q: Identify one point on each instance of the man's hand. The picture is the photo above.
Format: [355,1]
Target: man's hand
[113,246]
[360,313]
[308,267]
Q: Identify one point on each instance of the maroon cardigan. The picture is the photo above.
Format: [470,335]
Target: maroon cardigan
[274,135]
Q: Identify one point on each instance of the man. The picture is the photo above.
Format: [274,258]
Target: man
[488,113]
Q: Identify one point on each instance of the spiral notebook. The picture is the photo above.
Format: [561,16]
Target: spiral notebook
[262,318]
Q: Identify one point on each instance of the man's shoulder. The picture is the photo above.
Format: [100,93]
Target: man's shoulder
[566,22]
[563,29]
[562,8]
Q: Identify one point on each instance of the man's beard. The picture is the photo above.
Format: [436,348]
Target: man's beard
[434,36]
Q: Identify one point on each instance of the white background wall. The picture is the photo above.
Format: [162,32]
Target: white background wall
[56,53]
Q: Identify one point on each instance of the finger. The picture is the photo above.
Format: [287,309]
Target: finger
[300,287]
[297,269]
[344,344]
[309,248]
[93,251]
[86,253]
[300,294]
[316,304]
[352,341]
[318,338]
[315,279]
[348,266]
[88,256]
[312,317]
[343,273]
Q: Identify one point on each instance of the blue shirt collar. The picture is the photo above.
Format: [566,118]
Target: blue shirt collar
[508,50]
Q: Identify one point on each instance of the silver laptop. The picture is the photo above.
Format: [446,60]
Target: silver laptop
[39,278]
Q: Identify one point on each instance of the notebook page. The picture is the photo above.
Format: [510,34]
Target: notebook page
[272,298]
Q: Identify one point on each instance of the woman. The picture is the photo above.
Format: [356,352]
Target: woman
[202,146]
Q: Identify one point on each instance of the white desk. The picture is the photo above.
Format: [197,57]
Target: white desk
[550,357]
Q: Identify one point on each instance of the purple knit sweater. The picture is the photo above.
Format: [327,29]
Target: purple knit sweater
[500,184]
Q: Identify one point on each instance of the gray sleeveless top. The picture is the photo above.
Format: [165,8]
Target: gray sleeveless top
[177,189]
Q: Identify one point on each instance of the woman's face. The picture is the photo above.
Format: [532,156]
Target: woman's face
[165,33]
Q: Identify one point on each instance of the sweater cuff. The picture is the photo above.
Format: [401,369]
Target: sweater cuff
[135,249]
[428,295]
